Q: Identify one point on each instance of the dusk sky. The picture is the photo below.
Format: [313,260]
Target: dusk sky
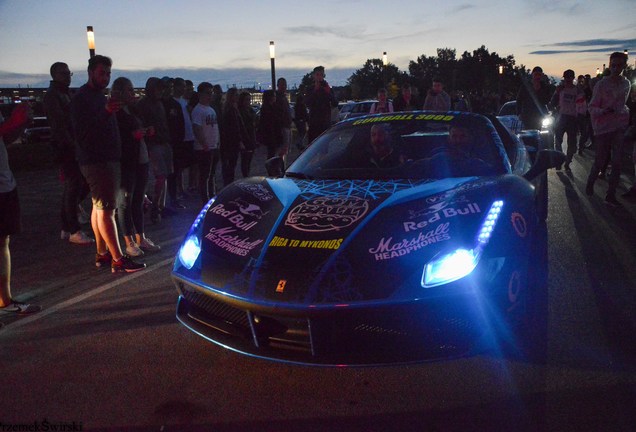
[228,42]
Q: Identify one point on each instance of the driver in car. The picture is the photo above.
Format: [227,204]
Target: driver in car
[464,150]
[383,153]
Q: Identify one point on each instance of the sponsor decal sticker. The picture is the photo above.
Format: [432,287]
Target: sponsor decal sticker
[436,212]
[234,216]
[281,286]
[305,244]
[258,191]
[388,248]
[396,117]
[519,224]
[324,214]
[235,244]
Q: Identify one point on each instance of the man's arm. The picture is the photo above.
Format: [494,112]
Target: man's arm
[11,129]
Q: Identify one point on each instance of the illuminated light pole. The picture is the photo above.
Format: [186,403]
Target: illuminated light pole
[501,71]
[272,56]
[598,71]
[385,63]
[90,34]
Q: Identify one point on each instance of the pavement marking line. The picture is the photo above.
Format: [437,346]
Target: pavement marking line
[100,289]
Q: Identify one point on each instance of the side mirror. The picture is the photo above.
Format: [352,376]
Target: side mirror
[275,166]
[545,160]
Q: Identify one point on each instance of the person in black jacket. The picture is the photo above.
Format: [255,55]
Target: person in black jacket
[57,102]
[176,129]
[99,156]
[320,99]
[269,127]
[249,121]
[233,134]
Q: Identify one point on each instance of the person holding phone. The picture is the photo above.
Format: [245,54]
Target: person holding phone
[99,156]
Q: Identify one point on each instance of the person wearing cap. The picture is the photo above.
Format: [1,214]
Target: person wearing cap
[319,99]
[564,101]
[532,99]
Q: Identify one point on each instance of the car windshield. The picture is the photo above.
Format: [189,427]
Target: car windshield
[407,146]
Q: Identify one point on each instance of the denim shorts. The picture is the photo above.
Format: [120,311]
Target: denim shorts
[104,181]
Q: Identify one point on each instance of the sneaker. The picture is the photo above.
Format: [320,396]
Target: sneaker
[611,200]
[125,264]
[148,245]
[80,238]
[103,260]
[64,235]
[133,250]
[20,308]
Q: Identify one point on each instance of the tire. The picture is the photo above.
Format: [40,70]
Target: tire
[529,342]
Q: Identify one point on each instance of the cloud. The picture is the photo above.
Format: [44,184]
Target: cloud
[461,8]
[589,46]
[239,77]
[566,7]
[354,32]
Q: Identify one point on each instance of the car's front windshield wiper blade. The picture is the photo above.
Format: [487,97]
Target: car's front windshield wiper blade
[298,175]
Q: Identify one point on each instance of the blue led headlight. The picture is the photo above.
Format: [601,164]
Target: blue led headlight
[191,247]
[461,262]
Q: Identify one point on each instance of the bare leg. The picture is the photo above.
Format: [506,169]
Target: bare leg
[5,272]
[99,240]
[108,231]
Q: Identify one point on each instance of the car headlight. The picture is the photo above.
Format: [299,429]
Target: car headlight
[547,122]
[462,261]
[191,247]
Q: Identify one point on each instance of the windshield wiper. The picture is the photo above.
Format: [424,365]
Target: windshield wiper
[298,175]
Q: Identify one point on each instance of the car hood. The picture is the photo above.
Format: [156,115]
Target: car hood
[328,242]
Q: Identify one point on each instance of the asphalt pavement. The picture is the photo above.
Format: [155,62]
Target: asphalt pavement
[43,265]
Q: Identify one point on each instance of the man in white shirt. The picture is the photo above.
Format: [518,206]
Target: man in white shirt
[610,117]
[206,141]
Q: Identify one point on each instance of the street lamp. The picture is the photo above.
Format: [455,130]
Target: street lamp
[385,63]
[598,71]
[91,40]
[272,56]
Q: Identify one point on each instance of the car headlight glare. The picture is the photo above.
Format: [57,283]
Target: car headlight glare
[462,261]
[547,122]
[450,267]
[190,250]
[191,247]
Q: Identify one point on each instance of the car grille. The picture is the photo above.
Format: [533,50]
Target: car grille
[352,336]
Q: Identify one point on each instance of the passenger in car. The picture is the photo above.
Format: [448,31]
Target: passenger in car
[383,152]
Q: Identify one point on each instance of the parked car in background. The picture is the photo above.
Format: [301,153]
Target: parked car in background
[508,116]
[38,131]
[356,109]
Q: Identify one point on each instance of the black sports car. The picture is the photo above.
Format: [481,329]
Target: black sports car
[393,238]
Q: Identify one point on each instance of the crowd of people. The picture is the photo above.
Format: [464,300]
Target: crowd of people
[129,154]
